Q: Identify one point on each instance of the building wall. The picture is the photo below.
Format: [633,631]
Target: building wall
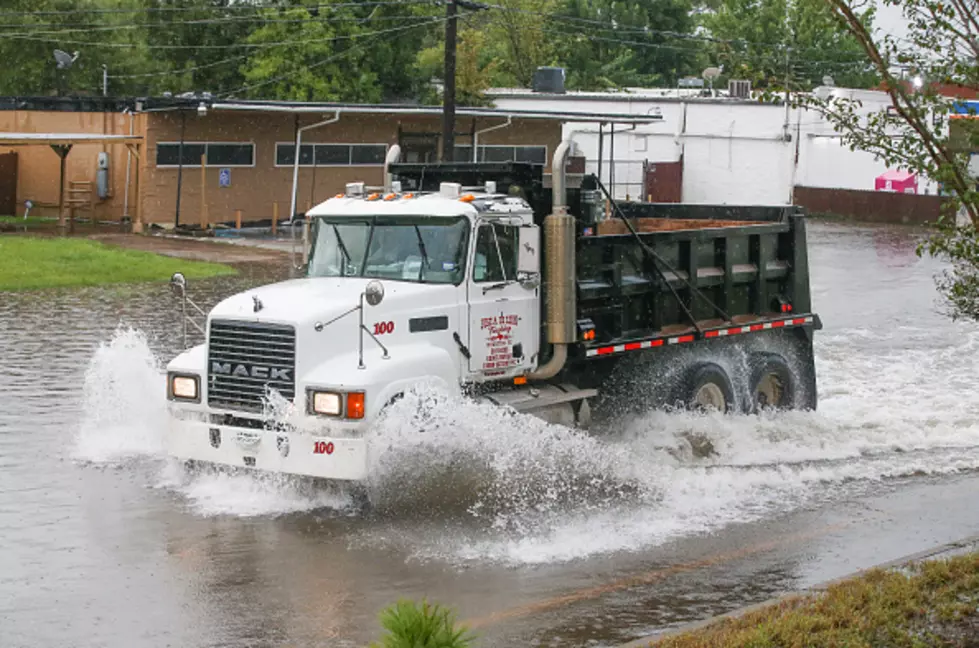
[733,151]
[38,166]
[255,190]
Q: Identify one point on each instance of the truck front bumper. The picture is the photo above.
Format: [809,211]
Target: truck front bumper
[270,450]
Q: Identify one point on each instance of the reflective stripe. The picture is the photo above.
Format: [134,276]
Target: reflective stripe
[716,333]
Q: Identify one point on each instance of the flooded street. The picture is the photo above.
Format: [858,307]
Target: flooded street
[537,534]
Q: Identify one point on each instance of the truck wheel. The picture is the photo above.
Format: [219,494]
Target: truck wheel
[707,386]
[771,382]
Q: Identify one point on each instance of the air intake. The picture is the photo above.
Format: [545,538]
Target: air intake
[549,80]
[739,88]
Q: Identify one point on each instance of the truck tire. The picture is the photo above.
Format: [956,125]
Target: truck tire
[707,386]
[771,384]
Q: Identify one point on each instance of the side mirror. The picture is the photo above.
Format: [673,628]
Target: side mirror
[178,284]
[374,292]
[528,258]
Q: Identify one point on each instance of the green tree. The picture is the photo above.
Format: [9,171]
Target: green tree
[766,41]
[940,50]
[615,43]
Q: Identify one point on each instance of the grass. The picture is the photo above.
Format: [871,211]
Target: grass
[31,222]
[28,263]
[931,604]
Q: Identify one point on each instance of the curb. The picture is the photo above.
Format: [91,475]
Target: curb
[950,548]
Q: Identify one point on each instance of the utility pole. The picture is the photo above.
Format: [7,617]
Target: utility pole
[449,87]
[105,80]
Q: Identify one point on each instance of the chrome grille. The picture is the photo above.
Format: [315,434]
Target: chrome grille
[243,359]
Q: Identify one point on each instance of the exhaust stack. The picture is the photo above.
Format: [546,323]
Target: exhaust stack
[559,280]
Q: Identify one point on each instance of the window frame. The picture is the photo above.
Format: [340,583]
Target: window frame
[349,163]
[513,151]
[205,144]
[515,262]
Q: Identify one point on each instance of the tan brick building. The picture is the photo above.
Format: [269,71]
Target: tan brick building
[247,151]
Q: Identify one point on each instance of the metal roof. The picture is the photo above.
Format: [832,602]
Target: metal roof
[61,139]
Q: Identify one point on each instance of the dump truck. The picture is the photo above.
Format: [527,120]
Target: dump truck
[485,279]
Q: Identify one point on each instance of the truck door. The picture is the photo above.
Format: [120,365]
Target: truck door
[504,314]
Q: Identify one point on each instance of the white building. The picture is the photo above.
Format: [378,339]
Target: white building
[732,150]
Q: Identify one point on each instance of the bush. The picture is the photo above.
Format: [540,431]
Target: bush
[410,625]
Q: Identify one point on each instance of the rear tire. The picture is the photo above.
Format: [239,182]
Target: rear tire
[771,384]
[706,386]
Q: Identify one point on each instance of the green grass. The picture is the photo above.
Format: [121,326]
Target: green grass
[31,222]
[932,604]
[28,263]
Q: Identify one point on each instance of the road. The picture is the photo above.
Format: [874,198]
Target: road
[538,535]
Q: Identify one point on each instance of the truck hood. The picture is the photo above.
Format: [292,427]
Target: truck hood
[307,301]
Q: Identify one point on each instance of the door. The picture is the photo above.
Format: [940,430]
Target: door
[8,184]
[503,313]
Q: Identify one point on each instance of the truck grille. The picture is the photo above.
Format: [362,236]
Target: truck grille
[243,359]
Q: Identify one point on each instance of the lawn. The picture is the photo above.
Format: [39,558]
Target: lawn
[31,222]
[931,604]
[28,263]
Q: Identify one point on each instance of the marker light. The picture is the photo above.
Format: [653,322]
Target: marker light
[355,405]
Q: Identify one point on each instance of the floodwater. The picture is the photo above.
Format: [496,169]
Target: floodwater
[536,534]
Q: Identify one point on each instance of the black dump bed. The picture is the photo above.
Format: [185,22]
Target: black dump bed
[649,270]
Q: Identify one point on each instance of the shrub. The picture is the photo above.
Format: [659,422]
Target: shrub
[425,625]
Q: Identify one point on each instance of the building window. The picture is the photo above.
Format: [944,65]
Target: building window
[499,153]
[225,154]
[331,154]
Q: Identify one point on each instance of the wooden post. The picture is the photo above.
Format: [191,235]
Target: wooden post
[237,219]
[203,192]
[93,188]
[275,217]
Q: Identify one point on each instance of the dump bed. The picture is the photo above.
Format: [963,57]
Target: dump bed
[689,267]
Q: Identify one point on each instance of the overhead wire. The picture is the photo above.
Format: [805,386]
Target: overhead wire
[243,6]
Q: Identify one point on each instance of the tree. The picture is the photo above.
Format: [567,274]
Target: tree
[939,52]
[609,43]
[766,41]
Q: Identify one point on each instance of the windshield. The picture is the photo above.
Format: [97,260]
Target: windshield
[419,249]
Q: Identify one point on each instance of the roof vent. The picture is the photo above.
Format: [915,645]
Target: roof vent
[549,80]
[739,88]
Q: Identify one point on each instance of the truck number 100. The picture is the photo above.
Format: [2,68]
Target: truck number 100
[323,447]
[380,328]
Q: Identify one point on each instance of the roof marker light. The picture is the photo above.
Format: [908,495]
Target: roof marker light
[468,198]
[373,196]
[390,196]
[408,196]
[339,195]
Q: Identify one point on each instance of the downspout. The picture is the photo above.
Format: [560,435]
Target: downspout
[392,157]
[476,134]
[559,241]
[129,162]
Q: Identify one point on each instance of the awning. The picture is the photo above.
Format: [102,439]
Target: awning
[65,139]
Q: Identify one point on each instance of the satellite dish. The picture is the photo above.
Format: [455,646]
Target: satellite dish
[64,59]
[712,72]
[828,81]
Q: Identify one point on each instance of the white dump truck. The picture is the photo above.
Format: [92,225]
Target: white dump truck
[451,275]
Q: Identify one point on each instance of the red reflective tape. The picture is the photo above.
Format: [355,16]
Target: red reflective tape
[757,327]
[712,334]
[778,324]
[799,320]
[604,350]
[633,346]
[685,338]
[656,343]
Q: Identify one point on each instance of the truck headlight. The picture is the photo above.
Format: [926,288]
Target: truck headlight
[327,403]
[184,387]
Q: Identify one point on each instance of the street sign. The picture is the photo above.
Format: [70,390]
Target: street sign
[224,178]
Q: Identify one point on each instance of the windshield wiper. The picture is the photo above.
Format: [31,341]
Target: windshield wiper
[343,248]
[421,248]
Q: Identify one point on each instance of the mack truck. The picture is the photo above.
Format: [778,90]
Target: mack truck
[480,278]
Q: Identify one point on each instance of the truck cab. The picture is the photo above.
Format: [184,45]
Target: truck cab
[399,289]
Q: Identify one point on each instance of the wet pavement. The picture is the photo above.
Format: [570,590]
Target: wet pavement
[538,535]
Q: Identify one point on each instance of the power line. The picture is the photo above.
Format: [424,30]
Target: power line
[326,60]
[240,45]
[244,6]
